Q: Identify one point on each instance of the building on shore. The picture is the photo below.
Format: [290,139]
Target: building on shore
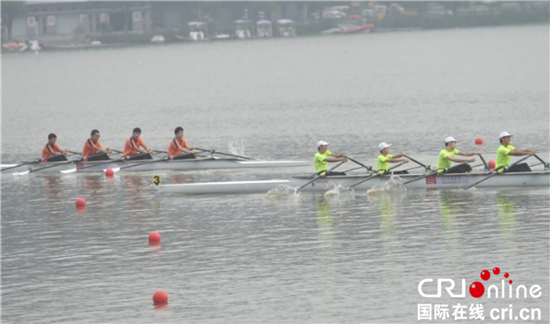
[51,18]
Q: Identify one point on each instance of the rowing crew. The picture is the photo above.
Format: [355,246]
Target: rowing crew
[134,148]
[444,162]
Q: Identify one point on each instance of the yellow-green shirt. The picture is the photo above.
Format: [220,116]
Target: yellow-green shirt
[442,162]
[502,155]
[382,164]
[320,164]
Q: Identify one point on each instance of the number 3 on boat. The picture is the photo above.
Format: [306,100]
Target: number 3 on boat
[156,180]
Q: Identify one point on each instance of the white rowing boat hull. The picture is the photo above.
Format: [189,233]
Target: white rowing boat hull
[455,181]
[144,165]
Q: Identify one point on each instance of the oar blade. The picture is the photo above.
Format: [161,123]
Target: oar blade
[21,173]
[68,171]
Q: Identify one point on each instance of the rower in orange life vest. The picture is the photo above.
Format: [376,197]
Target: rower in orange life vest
[92,147]
[135,148]
[179,149]
[52,152]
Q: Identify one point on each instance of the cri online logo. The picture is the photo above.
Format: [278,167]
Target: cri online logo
[477,289]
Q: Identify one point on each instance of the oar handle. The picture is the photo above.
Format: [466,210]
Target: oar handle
[546,165]
[417,162]
[222,153]
[75,153]
[484,163]
[368,167]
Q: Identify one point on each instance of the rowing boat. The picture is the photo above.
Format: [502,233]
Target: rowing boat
[444,181]
[147,165]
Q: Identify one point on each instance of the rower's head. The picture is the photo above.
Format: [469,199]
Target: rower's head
[450,143]
[94,135]
[179,132]
[136,133]
[384,148]
[322,146]
[505,138]
[52,138]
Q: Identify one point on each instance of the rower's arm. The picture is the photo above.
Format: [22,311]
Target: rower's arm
[328,159]
[107,150]
[517,152]
[467,153]
[450,158]
[147,149]
[339,155]
[394,160]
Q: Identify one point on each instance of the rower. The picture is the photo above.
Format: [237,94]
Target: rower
[446,158]
[385,158]
[179,149]
[323,157]
[92,146]
[505,151]
[52,152]
[134,146]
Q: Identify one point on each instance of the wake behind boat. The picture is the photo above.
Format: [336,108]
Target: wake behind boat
[443,181]
[148,165]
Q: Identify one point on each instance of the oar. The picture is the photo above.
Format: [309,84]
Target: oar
[376,175]
[484,163]
[368,167]
[427,167]
[44,168]
[321,175]
[133,165]
[92,164]
[24,163]
[216,152]
[75,153]
[414,168]
[546,165]
[495,172]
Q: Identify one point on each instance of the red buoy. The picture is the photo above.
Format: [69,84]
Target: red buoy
[479,141]
[492,165]
[80,203]
[154,237]
[160,297]
[109,172]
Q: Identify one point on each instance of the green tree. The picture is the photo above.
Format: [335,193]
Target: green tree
[11,10]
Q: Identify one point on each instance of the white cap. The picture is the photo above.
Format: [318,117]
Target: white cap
[505,134]
[382,146]
[321,143]
[450,139]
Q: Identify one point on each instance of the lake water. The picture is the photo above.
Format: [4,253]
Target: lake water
[250,258]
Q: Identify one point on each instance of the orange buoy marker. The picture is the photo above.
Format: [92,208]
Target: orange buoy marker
[80,203]
[160,297]
[109,172]
[154,237]
[479,141]
[492,165]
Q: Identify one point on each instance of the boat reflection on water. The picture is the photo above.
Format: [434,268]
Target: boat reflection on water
[507,214]
[52,189]
[388,203]
[325,232]
[450,209]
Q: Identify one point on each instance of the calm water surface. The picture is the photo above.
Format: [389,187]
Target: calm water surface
[250,258]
